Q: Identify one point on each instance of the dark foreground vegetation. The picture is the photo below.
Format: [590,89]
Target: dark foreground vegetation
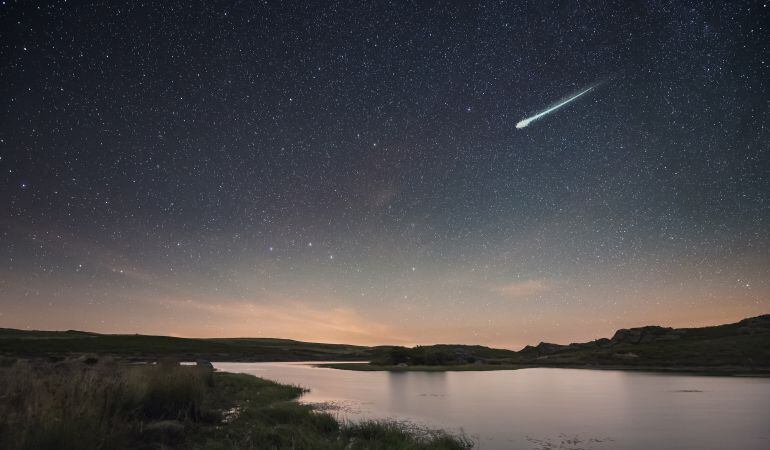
[737,348]
[97,404]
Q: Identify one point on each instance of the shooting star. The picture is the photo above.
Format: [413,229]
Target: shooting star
[528,120]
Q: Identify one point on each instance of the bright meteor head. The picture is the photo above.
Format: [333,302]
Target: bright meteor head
[523,123]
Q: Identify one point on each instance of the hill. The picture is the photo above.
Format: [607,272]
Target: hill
[22,343]
[742,347]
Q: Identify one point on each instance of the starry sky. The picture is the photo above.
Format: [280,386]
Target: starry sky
[351,171]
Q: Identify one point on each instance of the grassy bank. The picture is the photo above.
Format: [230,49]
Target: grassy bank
[89,404]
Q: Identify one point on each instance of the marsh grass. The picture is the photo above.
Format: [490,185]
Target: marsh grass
[376,434]
[102,404]
[75,405]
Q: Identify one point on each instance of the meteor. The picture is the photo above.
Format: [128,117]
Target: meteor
[523,123]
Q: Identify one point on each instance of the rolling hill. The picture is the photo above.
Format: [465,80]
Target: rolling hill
[743,346]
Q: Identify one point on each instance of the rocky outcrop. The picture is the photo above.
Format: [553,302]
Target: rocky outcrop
[603,342]
[755,325]
[544,348]
[645,335]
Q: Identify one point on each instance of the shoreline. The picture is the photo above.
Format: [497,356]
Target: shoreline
[96,404]
[706,371]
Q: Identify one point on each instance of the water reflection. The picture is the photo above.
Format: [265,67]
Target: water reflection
[415,390]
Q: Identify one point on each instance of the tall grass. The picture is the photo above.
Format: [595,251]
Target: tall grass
[74,405]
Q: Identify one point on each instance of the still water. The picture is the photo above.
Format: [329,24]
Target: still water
[547,408]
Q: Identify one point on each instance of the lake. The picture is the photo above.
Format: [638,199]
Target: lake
[547,408]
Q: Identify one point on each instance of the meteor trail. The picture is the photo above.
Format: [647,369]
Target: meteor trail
[523,123]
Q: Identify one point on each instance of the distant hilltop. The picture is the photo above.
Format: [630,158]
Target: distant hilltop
[652,333]
[137,347]
[743,346]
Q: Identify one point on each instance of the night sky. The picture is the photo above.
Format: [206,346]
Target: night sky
[352,171]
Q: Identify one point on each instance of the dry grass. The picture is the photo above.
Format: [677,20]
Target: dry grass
[105,405]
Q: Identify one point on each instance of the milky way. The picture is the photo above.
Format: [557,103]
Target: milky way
[347,171]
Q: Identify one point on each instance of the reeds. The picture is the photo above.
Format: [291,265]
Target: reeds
[77,405]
